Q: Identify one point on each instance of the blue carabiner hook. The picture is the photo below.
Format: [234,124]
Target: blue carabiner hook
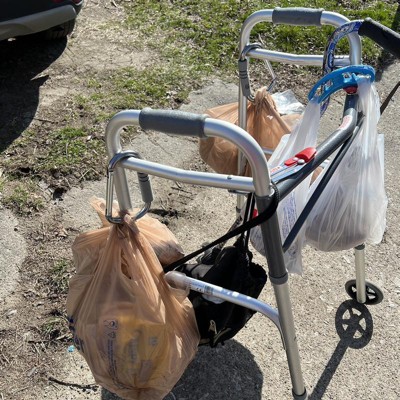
[340,79]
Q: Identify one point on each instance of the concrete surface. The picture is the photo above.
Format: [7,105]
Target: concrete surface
[12,252]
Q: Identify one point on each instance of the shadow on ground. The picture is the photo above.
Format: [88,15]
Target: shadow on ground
[23,62]
[224,373]
[230,372]
[354,326]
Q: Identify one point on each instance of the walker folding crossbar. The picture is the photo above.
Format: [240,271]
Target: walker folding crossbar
[266,191]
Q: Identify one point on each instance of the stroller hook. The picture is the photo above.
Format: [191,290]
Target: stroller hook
[143,178]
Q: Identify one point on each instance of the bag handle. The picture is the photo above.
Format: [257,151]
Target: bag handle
[244,238]
[261,217]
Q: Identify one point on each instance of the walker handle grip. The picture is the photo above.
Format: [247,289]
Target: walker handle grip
[173,122]
[381,35]
[297,16]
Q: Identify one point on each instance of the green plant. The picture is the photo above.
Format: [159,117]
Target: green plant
[55,327]
[206,33]
[59,276]
[23,197]
[66,148]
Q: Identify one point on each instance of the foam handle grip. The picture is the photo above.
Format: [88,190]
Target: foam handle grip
[173,122]
[381,35]
[297,16]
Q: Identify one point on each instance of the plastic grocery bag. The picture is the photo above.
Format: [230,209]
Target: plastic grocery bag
[264,123]
[286,103]
[136,333]
[352,208]
[304,135]
[162,240]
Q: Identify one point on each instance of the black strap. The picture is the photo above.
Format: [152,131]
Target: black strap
[243,240]
[248,217]
[262,217]
[389,97]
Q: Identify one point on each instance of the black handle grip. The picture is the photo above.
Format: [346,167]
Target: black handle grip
[145,187]
[381,35]
[173,122]
[297,16]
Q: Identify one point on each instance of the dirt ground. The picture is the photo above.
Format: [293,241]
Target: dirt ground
[36,361]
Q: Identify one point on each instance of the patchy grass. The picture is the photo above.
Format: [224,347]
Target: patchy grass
[59,276]
[195,41]
[68,148]
[24,197]
[206,33]
[65,152]
[55,327]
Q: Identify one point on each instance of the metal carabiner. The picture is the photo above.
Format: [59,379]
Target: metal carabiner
[143,181]
[243,64]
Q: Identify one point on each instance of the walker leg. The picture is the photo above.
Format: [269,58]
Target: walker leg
[279,277]
[239,204]
[359,255]
[290,341]
[360,289]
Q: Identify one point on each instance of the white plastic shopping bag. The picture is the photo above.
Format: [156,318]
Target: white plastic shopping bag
[352,208]
[303,136]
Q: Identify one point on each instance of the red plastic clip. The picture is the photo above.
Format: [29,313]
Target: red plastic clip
[291,161]
[306,155]
[351,89]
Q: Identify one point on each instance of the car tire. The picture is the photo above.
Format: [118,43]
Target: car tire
[60,31]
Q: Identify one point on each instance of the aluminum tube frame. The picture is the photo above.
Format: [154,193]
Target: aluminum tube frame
[221,181]
[113,145]
[327,18]
[279,279]
[280,284]
[359,258]
[212,127]
[289,337]
[181,281]
[249,147]
[298,59]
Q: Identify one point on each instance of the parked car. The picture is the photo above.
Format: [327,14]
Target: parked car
[53,19]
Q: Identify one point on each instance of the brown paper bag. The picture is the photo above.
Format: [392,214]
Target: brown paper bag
[136,333]
[264,123]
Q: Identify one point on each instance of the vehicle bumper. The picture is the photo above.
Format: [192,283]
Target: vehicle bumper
[36,22]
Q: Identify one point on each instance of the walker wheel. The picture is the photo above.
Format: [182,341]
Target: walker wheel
[374,295]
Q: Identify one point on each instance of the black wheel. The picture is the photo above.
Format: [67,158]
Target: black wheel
[374,295]
[60,31]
